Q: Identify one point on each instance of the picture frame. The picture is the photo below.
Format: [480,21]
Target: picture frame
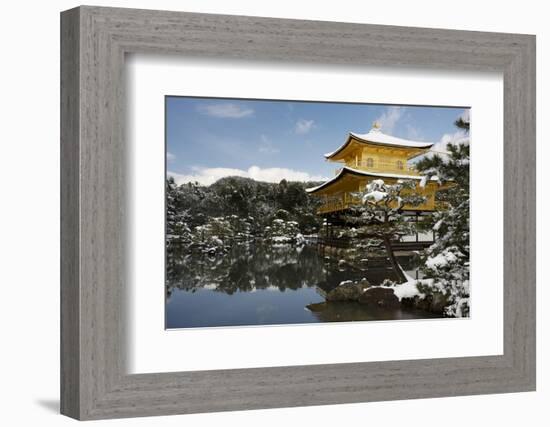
[94,381]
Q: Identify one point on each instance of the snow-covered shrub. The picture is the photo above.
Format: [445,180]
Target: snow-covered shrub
[380,218]
[283,232]
[447,261]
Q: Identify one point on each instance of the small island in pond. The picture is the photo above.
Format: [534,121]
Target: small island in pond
[386,237]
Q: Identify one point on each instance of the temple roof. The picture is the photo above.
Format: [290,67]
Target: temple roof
[376,137]
[361,173]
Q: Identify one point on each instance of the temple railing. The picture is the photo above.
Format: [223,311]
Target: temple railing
[344,201]
[339,203]
[382,167]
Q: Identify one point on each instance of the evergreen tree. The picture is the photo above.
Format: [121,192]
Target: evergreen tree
[380,215]
[237,209]
[447,261]
[177,216]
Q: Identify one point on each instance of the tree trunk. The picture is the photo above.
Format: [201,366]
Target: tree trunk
[393,261]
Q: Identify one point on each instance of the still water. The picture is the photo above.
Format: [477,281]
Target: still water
[267,285]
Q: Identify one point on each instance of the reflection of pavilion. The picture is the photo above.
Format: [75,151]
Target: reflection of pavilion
[370,156]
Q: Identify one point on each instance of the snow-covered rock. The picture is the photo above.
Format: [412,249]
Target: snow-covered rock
[379,297]
[347,291]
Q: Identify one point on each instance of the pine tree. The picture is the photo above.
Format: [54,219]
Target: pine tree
[177,217]
[447,261]
[380,215]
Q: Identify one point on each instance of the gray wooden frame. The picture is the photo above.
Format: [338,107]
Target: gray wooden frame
[94,41]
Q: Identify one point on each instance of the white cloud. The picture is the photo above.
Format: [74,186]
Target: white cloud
[440,147]
[465,116]
[207,176]
[303,126]
[389,118]
[414,133]
[225,111]
[170,157]
[266,146]
[459,137]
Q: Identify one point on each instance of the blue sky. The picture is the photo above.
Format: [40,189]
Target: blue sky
[208,138]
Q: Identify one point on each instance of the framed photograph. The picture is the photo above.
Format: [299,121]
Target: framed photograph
[296,212]
[262,232]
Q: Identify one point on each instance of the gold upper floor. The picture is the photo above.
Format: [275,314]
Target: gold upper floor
[379,160]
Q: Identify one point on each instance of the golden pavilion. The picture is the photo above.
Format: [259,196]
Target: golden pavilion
[370,156]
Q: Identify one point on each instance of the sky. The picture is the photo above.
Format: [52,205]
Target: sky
[209,138]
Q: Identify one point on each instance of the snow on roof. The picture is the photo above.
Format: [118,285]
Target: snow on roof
[347,169]
[377,137]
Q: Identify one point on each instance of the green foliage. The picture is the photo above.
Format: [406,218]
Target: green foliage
[380,214]
[281,231]
[236,208]
[454,166]
[447,262]
[461,123]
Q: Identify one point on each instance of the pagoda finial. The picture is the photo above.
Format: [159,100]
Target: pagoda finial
[376,125]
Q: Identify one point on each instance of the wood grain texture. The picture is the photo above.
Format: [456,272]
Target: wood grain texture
[94,381]
[70,292]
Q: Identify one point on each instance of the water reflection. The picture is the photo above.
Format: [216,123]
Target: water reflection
[246,268]
[257,284]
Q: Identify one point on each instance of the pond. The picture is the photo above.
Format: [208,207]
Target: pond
[257,284]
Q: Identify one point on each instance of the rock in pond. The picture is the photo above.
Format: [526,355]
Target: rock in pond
[317,307]
[348,291]
[434,303]
[439,302]
[379,297]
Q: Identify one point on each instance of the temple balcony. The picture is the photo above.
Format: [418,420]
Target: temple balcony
[346,200]
[394,167]
[338,203]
